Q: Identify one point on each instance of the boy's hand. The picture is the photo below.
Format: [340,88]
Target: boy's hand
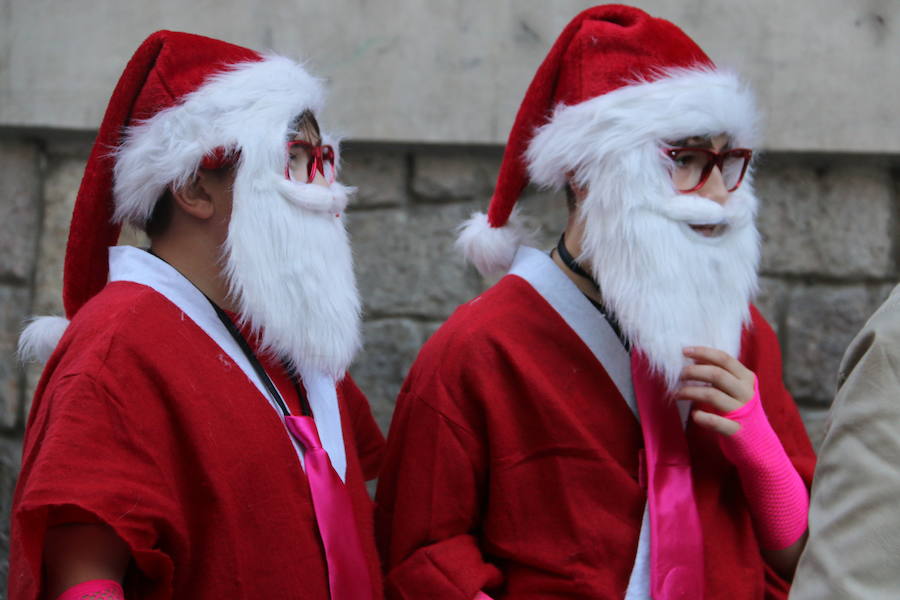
[729,387]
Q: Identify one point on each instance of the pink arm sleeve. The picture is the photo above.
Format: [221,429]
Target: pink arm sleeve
[97,589]
[777,496]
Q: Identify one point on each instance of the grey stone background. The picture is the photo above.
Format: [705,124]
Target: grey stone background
[429,90]
[825,70]
[830,257]
[829,226]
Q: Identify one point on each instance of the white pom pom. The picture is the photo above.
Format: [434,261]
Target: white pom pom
[490,249]
[40,337]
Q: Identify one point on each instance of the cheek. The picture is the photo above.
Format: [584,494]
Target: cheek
[223,214]
[227,208]
[320,180]
[741,206]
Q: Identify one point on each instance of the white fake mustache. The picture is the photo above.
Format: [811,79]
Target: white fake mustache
[697,210]
[314,197]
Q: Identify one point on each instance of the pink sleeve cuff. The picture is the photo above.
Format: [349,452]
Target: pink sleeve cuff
[482,596]
[97,589]
[777,497]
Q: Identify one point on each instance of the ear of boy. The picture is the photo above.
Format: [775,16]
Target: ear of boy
[196,199]
[193,240]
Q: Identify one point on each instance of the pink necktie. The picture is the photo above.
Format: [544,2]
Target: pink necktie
[676,539]
[348,572]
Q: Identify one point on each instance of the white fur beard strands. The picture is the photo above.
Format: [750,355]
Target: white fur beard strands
[668,286]
[289,267]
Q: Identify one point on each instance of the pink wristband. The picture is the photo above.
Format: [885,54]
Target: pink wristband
[96,589]
[777,497]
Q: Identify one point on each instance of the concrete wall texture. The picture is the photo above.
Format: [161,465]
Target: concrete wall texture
[418,86]
[821,67]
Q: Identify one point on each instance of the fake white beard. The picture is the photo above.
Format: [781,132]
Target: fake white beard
[668,286]
[289,269]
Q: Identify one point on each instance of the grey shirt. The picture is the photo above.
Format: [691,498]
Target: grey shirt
[854,532]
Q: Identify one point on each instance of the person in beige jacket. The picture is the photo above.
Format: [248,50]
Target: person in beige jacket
[854,523]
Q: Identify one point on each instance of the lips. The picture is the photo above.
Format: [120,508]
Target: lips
[709,230]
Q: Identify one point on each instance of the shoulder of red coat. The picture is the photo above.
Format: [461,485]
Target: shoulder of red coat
[121,309]
[123,301]
[505,305]
[757,333]
[759,326]
[760,347]
[479,333]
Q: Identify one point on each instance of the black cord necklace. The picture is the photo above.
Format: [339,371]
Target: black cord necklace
[570,261]
[260,371]
[576,268]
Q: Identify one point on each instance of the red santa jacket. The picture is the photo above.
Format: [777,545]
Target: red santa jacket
[142,422]
[513,464]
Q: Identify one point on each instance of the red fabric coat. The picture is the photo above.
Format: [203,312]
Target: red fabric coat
[143,422]
[512,465]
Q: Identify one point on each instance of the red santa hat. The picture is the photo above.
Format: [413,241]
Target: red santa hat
[615,77]
[184,101]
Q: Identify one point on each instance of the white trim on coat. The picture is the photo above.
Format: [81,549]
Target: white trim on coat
[539,270]
[133,265]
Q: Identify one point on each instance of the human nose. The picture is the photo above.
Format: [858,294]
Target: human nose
[714,189]
[319,179]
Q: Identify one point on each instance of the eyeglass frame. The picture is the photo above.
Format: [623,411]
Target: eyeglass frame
[715,159]
[316,157]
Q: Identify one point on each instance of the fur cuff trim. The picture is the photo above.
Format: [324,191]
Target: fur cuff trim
[491,249]
[40,337]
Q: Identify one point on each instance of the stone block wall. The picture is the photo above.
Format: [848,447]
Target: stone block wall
[829,226]
[828,223]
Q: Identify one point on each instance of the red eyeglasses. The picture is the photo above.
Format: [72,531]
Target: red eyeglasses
[694,165]
[304,159]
